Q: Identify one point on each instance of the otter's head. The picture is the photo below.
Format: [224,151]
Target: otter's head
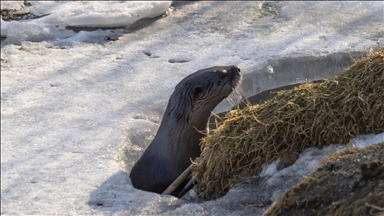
[199,93]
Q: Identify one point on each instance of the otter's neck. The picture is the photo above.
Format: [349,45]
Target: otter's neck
[182,136]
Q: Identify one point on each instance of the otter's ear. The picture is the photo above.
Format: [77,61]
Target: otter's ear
[198,91]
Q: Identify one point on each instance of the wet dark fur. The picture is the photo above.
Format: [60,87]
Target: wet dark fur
[178,137]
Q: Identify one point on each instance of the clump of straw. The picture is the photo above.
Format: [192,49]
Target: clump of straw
[310,115]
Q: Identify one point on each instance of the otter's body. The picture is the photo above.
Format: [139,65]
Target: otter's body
[185,118]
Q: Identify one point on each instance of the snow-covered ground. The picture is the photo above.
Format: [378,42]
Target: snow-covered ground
[79,105]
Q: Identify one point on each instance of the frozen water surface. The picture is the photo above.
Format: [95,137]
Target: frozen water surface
[80,104]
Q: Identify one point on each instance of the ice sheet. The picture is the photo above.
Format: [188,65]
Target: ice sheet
[79,106]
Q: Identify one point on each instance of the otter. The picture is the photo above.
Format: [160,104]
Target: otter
[183,125]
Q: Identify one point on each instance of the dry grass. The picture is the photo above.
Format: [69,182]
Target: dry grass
[310,115]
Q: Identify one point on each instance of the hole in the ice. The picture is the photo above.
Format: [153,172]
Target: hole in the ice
[147,53]
[177,61]
[112,38]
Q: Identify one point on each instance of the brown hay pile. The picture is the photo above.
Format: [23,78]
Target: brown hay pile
[310,115]
[350,182]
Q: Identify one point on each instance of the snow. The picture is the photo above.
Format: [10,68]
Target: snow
[311,156]
[56,15]
[80,105]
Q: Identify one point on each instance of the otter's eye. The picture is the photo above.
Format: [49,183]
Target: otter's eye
[198,91]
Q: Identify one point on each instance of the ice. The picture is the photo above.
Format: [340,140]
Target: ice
[308,160]
[55,16]
[311,156]
[80,105]
[99,14]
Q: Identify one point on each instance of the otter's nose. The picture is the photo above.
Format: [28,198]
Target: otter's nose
[234,68]
[235,74]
